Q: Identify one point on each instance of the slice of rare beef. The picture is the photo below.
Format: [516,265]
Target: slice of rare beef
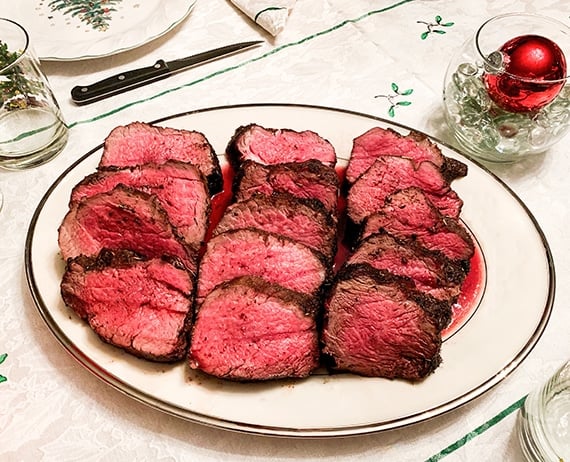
[389,174]
[416,146]
[276,146]
[431,272]
[410,214]
[123,218]
[179,186]
[141,143]
[377,325]
[142,306]
[248,329]
[303,220]
[253,252]
[306,180]
[378,142]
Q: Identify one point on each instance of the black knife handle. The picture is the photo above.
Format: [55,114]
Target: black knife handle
[119,83]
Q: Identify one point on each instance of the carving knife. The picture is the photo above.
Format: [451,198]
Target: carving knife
[125,81]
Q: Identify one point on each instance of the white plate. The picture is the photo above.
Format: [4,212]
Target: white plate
[511,317]
[59,32]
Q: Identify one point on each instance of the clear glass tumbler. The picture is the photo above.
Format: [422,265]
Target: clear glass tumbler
[543,423]
[507,92]
[32,129]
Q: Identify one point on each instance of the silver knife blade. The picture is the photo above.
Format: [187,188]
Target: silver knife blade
[128,80]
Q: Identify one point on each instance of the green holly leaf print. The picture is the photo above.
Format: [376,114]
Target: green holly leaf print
[2,359]
[431,27]
[391,98]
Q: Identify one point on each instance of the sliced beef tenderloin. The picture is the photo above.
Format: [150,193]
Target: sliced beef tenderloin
[180,188]
[248,329]
[378,142]
[141,143]
[410,214]
[377,325]
[303,220]
[276,146]
[123,218]
[306,180]
[253,252]
[389,174]
[431,272]
[142,306]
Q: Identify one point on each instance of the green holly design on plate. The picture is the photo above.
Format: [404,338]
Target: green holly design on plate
[393,98]
[97,14]
[434,27]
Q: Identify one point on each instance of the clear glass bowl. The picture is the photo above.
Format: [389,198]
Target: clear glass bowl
[543,423]
[483,128]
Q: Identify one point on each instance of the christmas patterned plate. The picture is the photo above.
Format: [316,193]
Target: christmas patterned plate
[510,317]
[66,30]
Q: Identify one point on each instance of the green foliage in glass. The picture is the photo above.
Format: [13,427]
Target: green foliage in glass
[17,91]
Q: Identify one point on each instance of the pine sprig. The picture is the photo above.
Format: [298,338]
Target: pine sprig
[17,91]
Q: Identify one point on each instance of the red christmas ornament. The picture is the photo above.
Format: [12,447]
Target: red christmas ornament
[531,76]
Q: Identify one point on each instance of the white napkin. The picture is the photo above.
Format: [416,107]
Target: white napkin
[270,14]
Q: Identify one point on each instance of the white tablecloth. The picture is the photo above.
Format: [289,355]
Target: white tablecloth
[332,53]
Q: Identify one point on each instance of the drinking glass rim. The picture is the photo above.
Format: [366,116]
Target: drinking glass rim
[490,64]
[21,52]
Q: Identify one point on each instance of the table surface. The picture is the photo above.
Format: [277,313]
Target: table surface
[331,53]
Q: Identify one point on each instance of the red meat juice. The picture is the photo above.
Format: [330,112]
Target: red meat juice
[471,293]
[221,200]
[473,285]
